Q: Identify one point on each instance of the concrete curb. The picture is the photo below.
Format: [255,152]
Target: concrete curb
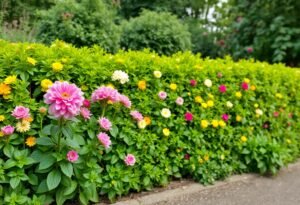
[191,188]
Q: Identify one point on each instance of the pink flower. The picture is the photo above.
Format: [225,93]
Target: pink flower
[105,93]
[245,86]
[219,75]
[104,123]
[276,114]
[193,83]
[179,101]
[7,130]
[249,49]
[86,103]
[124,100]
[85,113]
[162,95]
[225,117]
[21,112]
[72,156]
[188,116]
[222,88]
[129,160]
[64,99]
[136,115]
[104,139]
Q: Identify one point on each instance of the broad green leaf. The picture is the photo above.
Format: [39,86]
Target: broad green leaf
[53,179]
[67,169]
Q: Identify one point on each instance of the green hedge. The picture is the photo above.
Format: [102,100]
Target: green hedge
[261,134]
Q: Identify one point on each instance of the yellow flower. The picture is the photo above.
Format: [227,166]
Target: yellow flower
[210,103]
[222,123]
[166,132]
[238,118]
[157,74]
[46,83]
[238,94]
[189,94]
[5,89]
[253,87]
[110,102]
[215,123]
[211,96]
[279,95]
[6,97]
[200,160]
[204,105]
[57,66]
[23,126]
[259,112]
[204,123]
[120,61]
[206,157]
[110,86]
[30,141]
[244,138]
[10,79]
[256,105]
[31,61]
[246,80]
[1,134]
[43,110]
[198,99]
[2,118]
[142,85]
[28,119]
[142,124]
[173,86]
[147,120]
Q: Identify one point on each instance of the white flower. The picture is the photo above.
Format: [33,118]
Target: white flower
[165,112]
[258,111]
[120,76]
[157,74]
[208,83]
[229,104]
[142,124]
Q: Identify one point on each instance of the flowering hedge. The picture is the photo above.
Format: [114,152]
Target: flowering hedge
[80,123]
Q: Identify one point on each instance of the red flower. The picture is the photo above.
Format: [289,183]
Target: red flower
[193,82]
[222,88]
[188,116]
[187,156]
[245,86]
[276,114]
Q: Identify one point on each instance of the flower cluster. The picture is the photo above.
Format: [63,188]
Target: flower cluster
[120,76]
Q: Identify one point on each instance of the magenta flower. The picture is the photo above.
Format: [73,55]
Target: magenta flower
[105,93]
[129,160]
[136,115]
[64,99]
[72,156]
[187,156]
[104,139]
[85,113]
[86,103]
[276,114]
[179,101]
[193,83]
[162,95]
[104,123]
[222,88]
[7,130]
[245,86]
[225,117]
[20,112]
[188,116]
[124,100]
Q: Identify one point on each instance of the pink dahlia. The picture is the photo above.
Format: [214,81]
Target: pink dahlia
[124,100]
[225,117]
[64,99]
[129,160]
[85,113]
[276,114]
[188,116]
[179,101]
[193,83]
[222,88]
[7,130]
[105,93]
[20,112]
[72,156]
[136,115]
[245,86]
[86,103]
[162,95]
[104,123]
[104,139]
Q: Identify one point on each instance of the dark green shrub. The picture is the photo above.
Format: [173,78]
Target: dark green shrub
[161,32]
[82,24]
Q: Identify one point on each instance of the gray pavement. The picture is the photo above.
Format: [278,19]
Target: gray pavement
[246,189]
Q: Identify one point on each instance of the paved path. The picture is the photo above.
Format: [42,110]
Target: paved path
[247,189]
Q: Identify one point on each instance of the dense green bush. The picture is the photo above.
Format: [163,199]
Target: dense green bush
[161,32]
[82,24]
[252,126]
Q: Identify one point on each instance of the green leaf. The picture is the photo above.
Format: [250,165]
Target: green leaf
[14,182]
[54,130]
[9,163]
[46,162]
[67,169]
[33,179]
[146,181]
[67,132]
[114,131]
[53,179]
[42,188]
[44,141]
[72,143]
[70,189]
[83,198]
[114,159]
[91,134]
[47,130]
[8,150]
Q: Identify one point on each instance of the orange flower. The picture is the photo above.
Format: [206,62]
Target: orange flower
[142,85]
[147,120]
[5,89]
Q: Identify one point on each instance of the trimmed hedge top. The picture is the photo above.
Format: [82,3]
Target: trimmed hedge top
[201,118]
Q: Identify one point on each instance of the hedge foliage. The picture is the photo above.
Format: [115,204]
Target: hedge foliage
[235,117]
